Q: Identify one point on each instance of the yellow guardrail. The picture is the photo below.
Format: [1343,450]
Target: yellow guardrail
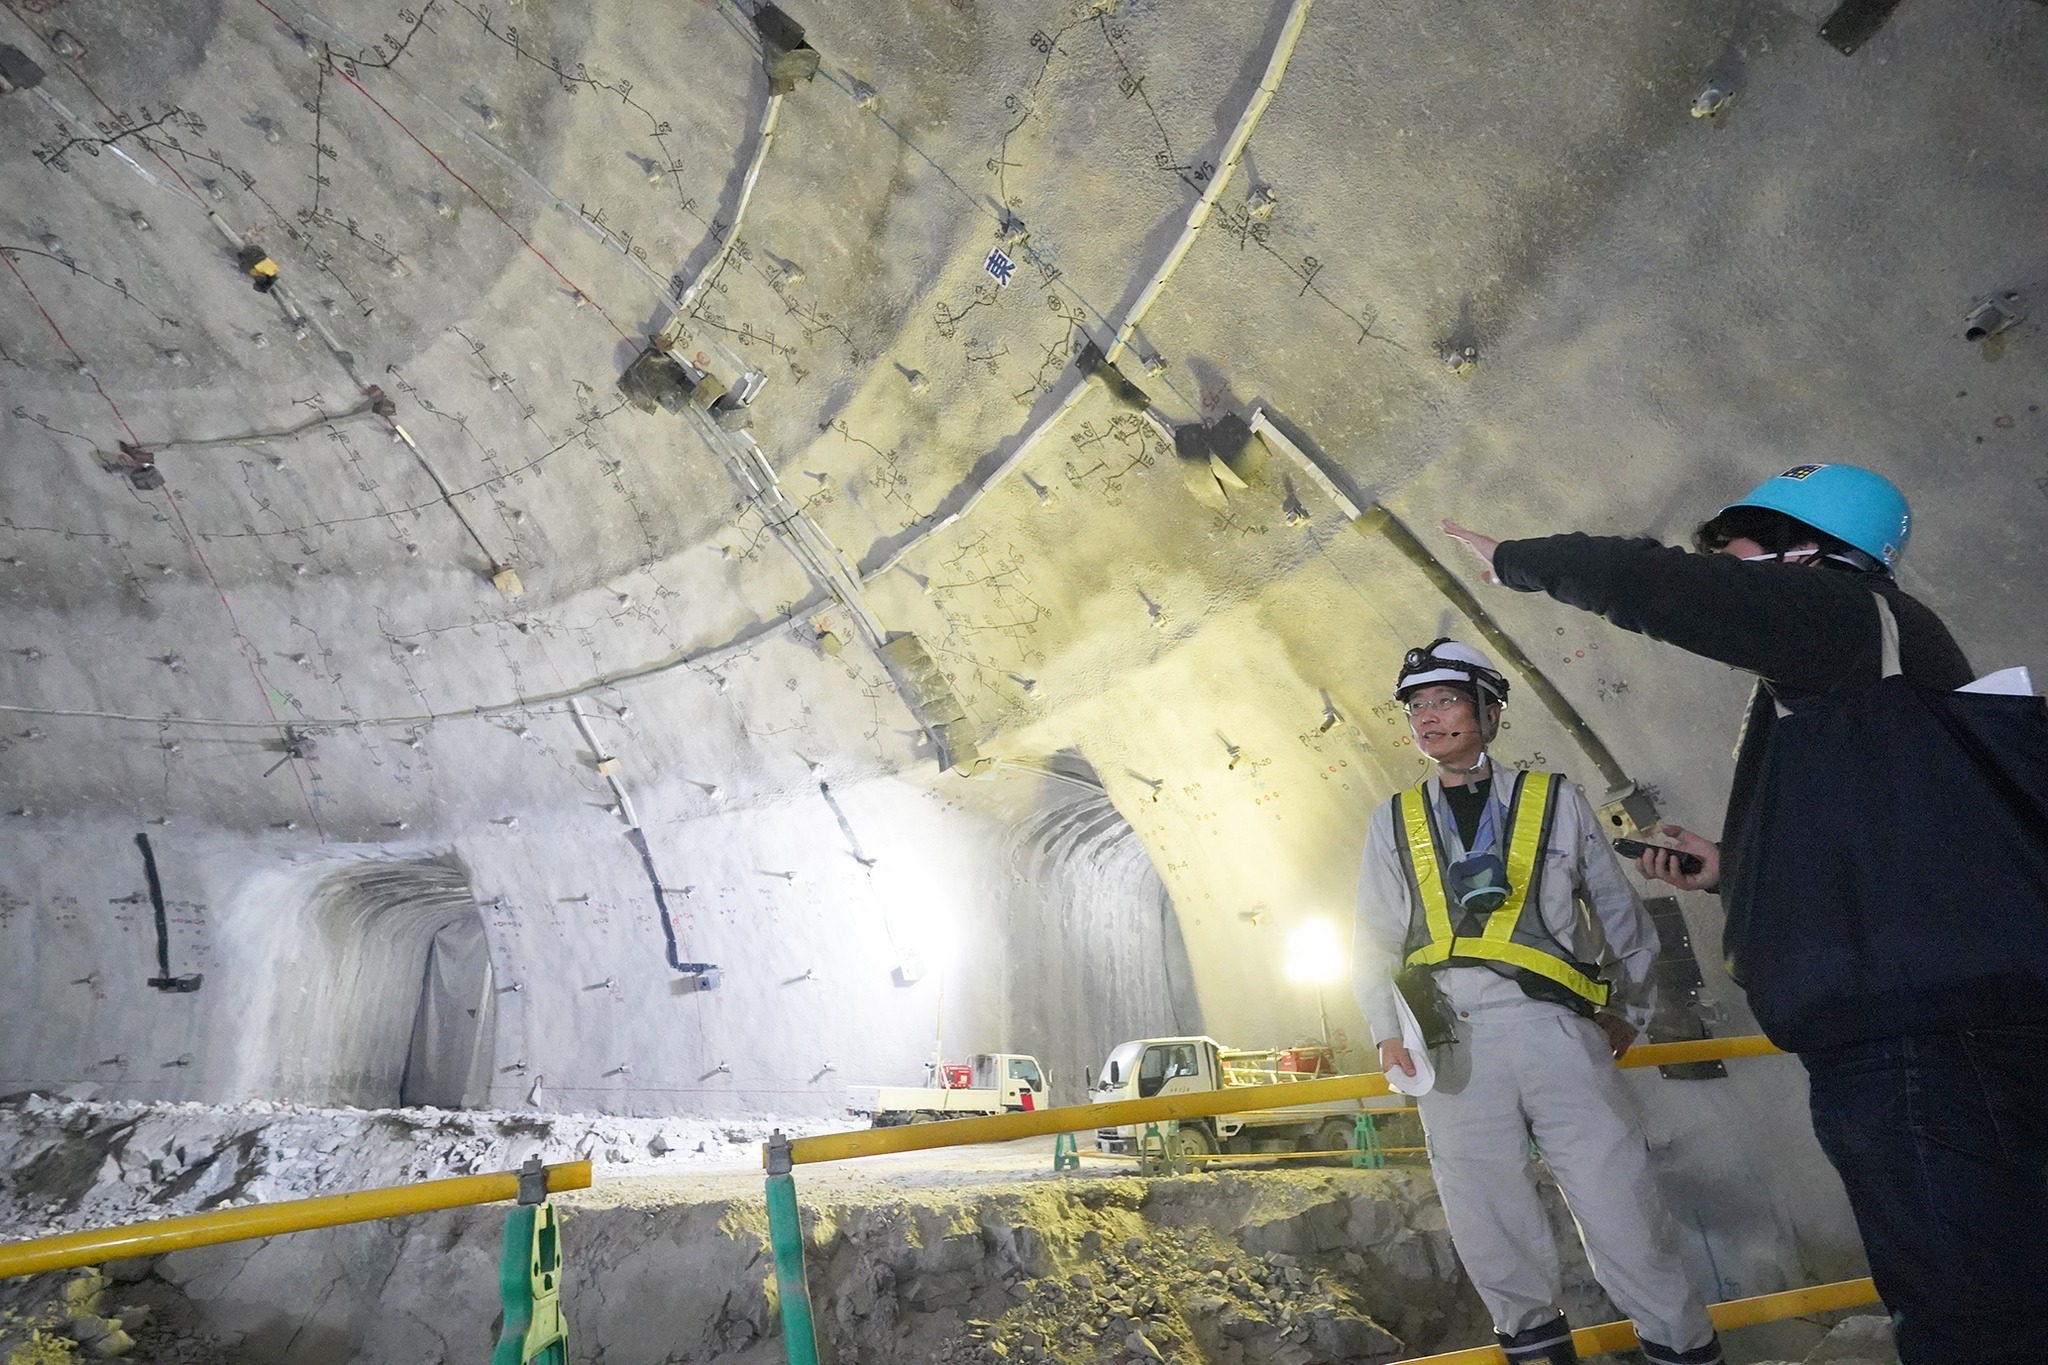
[1700,1050]
[1620,1336]
[1199,1162]
[269,1220]
[1074,1118]
[1236,1099]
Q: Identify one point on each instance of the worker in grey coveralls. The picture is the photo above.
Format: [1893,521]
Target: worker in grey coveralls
[1472,890]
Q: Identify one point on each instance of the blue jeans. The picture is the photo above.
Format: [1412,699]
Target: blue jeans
[1942,1142]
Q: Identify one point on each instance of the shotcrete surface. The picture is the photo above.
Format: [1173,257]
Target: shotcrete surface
[1479,261]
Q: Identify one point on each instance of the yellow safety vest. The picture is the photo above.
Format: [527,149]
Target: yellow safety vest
[1528,827]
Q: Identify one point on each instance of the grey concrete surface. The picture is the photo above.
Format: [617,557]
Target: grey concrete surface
[1165,693]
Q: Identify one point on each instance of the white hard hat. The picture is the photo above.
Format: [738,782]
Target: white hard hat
[1452,662]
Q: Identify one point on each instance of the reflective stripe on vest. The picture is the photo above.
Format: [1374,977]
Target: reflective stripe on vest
[1528,822]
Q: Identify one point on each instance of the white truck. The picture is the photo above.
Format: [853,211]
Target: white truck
[987,1083]
[1149,1067]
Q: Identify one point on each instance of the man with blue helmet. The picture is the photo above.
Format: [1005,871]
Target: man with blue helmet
[1922,1046]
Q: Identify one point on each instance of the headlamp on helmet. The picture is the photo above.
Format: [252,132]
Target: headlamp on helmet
[1453,663]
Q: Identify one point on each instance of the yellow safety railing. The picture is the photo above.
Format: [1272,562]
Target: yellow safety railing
[1223,1158]
[1620,1336]
[1235,1099]
[781,1155]
[1074,1118]
[1220,1158]
[268,1220]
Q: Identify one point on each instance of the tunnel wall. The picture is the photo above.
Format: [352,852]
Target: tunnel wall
[1035,913]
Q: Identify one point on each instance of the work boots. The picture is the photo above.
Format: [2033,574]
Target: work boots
[1548,1343]
[1709,1354]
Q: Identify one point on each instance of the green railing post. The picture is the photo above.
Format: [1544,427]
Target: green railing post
[1365,1143]
[530,1277]
[1159,1149]
[786,1237]
[1066,1153]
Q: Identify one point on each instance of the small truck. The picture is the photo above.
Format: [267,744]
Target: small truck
[987,1083]
[1150,1067]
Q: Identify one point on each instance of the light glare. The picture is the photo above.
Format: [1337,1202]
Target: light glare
[1313,956]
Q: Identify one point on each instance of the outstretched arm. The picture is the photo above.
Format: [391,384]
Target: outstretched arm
[1806,628]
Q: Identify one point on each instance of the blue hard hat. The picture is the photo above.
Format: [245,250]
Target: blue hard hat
[1850,503]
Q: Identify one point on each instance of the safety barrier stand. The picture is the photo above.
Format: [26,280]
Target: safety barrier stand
[1159,1150]
[786,1239]
[530,1278]
[1366,1151]
[1066,1153]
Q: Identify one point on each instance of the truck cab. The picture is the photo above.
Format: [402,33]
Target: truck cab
[1151,1068]
[986,1083]
[1147,1068]
[1016,1079]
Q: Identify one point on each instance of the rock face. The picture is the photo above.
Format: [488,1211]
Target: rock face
[71,1164]
[1249,1267]
[671,1264]
[1242,1268]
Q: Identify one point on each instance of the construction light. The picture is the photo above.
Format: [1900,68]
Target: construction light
[1314,957]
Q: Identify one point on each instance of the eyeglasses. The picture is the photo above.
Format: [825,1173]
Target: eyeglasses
[1416,708]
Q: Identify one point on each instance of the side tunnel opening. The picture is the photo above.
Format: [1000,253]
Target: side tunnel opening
[1096,954]
[387,992]
[448,1065]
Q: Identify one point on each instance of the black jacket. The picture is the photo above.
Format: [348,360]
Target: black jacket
[1803,630]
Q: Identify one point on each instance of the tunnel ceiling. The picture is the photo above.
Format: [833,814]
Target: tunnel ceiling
[1480,261]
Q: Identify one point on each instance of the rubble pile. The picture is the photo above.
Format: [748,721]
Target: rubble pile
[72,1164]
[87,1315]
[1215,1307]
[1248,1268]
[672,1267]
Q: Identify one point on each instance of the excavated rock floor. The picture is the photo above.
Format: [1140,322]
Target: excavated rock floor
[1251,1266]
[1256,1266]
[977,1257]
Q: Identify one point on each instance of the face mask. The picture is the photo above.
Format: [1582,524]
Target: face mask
[1480,883]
